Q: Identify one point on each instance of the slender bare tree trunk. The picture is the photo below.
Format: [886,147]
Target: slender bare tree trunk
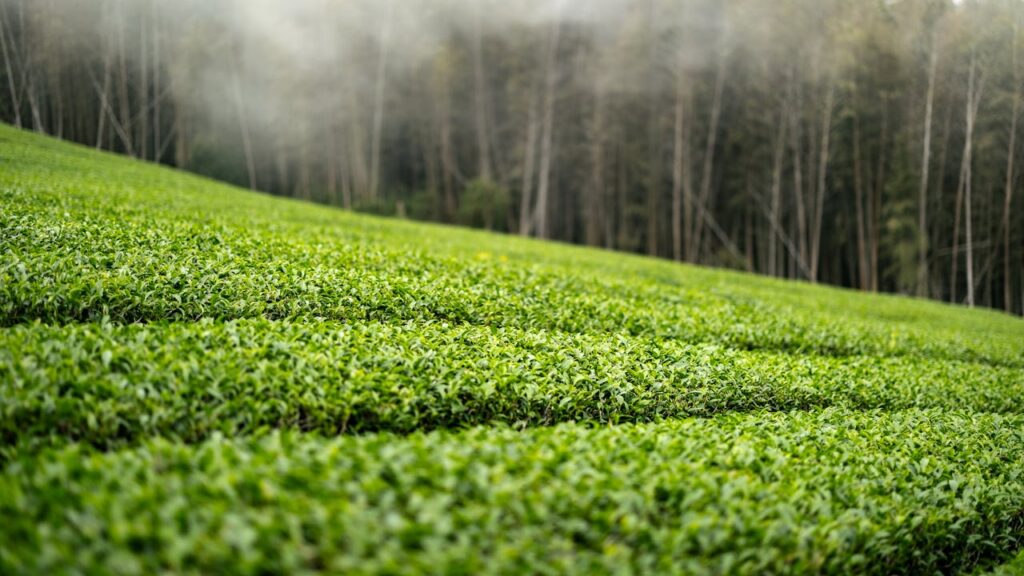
[974,88]
[709,152]
[1008,195]
[243,124]
[798,188]
[24,58]
[922,195]
[378,103]
[547,127]
[357,144]
[331,175]
[963,196]
[143,88]
[104,97]
[448,169]
[935,235]
[480,98]
[776,191]
[58,106]
[344,170]
[622,231]
[594,208]
[33,99]
[304,184]
[429,153]
[157,77]
[957,205]
[689,197]
[679,173]
[529,157]
[105,108]
[821,192]
[858,189]
[181,137]
[874,207]
[748,218]
[122,96]
[15,100]
[654,167]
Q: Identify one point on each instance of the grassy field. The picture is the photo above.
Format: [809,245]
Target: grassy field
[199,379]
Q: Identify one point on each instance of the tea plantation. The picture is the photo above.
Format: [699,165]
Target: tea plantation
[199,379]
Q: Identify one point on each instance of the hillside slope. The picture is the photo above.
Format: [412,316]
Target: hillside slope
[199,378]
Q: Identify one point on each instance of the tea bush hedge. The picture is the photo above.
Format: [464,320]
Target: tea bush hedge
[837,492]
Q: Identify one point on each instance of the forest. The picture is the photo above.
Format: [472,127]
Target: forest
[868,144]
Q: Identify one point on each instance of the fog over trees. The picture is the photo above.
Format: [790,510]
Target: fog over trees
[871,144]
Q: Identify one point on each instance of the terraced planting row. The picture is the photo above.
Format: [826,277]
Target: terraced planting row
[837,492]
[110,385]
[75,257]
[195,379]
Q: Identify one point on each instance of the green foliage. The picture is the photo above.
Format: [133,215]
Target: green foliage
[821,492]
[484,204]
[1013,568]
[108,385]
[198,379]
[900,228]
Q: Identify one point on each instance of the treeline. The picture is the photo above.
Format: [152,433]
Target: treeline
[864,144]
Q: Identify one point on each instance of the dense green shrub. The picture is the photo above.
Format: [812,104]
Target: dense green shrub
[831,492]
[108,385]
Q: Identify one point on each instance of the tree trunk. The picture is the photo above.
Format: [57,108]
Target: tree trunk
[682,214]
[974,97]
[378,103]
[447,155]
[709,153]
[863,270]
[344,170]
[654,167]
[480,99]
[798,189]
[820,191]
[122,96]
[181,140]
[874,208]
[429,152]
[963,195]
[15,100]
[243,123]
[331,176]
[1008,195]
[594,209]
[104,97]
[529,157]
[357,144]
[547,127]
[157,76]
[922,194]
[776,191]
[143,88]
[935,235]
